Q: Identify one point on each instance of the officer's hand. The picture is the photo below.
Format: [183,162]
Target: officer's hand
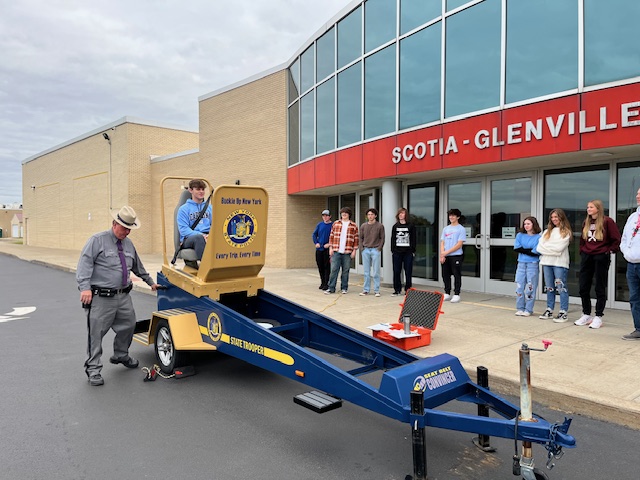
[85,297]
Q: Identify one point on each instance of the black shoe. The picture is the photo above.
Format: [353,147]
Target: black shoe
[96,380]
[128,362]
[191,263]
[323,287]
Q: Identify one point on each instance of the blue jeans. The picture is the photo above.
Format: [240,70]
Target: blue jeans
[371,257]
[338,261]
[633,281]
[555,281]
[526,285]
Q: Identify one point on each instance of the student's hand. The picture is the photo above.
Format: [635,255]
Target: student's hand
[442,258]
[353,254]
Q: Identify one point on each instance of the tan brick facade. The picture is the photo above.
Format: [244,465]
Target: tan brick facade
[6,216]
[71,196]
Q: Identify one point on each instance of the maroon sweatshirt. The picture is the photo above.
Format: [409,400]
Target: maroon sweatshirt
[610,242]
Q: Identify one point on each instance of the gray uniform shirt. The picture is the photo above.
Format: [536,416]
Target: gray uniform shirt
[99,262]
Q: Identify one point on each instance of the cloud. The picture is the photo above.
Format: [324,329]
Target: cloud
[70,66]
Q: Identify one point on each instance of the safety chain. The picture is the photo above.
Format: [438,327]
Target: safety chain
[554,450]
[150,374]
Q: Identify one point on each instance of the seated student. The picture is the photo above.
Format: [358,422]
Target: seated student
[194,232]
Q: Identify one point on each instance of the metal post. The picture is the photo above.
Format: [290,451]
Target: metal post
[483,441]
[526,412]
[526,409]
[418,438]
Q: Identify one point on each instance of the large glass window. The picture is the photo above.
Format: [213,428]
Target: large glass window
[542,48]
[380,93]
[571,190]
[379,23]
[611,49]
[350,37]
[414,13]
[294,133]
[326,52]
[628,183]
[349,105]
[307,126]
[294,81]
[473,59]
[420,77]
[307,69]
[325,114]
[451,4]
[423,213]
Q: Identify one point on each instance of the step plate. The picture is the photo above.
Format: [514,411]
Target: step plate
[319,402]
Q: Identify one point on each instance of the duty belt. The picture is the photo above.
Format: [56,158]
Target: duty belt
[110,292]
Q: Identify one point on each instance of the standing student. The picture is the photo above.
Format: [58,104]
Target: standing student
[553,248]
[320,239]
[451,254]
[371,243]
[600,238]
[630,248]
[343,243]
[528,268]
[403,249]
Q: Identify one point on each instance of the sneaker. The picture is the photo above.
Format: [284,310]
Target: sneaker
[583,320]
[395,294]
[519,313]
[328,292]
[96,380]
[526,314]
[561,317]
[455,299]
[447,297]
[635,335]
[596,323]
[377,294]
[362,294]
[344,292]
[548,313]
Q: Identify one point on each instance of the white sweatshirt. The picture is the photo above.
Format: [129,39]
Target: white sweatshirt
[554,251]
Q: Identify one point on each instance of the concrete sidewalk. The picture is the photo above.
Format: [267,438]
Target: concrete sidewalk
[585,371]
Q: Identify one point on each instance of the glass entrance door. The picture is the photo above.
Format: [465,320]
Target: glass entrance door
[493,209]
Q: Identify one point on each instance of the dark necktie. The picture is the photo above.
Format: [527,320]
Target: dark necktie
[123,262]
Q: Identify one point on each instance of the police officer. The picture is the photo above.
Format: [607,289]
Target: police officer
[103,280]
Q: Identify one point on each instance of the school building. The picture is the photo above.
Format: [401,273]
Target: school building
[499,108]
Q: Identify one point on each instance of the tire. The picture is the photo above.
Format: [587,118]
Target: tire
[167,356]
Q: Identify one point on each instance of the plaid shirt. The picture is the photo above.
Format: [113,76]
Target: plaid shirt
[352,236]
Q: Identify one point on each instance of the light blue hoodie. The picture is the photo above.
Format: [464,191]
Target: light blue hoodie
[188,213]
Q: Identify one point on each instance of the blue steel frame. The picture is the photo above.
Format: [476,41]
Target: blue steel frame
[233,326]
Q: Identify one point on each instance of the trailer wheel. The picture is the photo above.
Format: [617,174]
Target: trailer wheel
[166,354]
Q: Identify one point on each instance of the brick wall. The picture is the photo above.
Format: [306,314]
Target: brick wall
[71,198]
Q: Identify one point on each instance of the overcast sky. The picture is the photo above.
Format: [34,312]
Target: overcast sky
[70,66]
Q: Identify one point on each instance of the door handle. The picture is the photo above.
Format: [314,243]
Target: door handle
[478,237]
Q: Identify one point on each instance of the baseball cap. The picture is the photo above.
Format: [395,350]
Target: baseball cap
[326,212]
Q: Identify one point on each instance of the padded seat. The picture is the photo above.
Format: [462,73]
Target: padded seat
[186,254]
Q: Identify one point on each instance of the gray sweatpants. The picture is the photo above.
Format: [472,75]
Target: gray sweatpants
[109,312]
